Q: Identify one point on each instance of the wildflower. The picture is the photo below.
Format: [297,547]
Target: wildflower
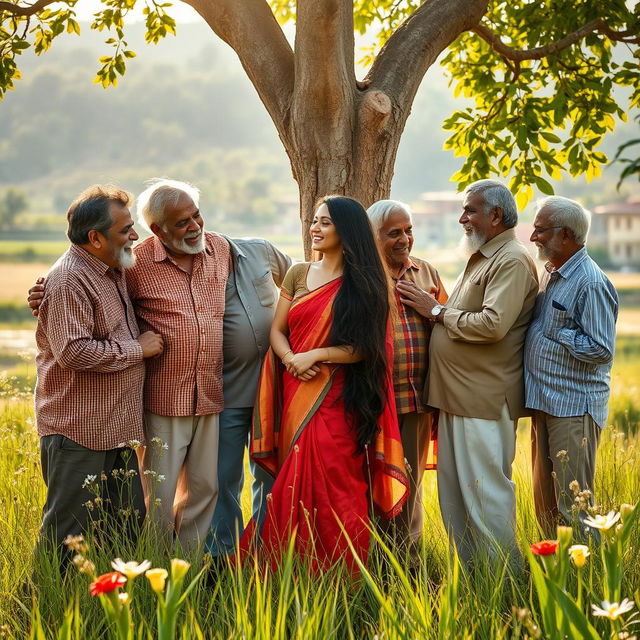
[134,444]
[75,543]
[123,597]
[157,579]
[88,481]
[625,511]
[562,454]
[579,554]
[574,485]
[564,535]
[131,569]
[83,565]
[612,610]
[545,548]
[106,583]
[179,568]
[604,523]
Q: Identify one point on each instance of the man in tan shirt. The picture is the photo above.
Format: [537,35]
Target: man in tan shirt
[475,373]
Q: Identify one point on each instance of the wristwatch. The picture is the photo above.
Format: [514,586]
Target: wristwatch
[437,310]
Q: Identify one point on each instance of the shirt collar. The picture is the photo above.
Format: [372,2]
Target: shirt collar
[567,269]
[409,264]
[93,262]
[490,248]
[160,251]
[236,251]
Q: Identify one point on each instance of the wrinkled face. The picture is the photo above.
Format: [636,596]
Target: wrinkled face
[396,238]
[324,236]
[120,238]
[546,236]
[475,223]
[182,230]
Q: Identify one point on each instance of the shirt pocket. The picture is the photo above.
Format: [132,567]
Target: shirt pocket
[265,290]
[555,320]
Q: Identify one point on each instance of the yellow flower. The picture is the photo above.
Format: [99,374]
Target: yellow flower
[604,523]
[579,554]
[612,610]
[130,569]
[157,579]
[179,568]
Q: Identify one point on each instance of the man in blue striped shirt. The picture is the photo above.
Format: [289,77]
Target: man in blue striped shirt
[567,363]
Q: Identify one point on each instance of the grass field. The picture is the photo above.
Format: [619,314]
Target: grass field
[383,603]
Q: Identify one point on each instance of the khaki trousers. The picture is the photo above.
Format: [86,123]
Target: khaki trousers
[578,436]
[415,432]
[475,489]
[181,481]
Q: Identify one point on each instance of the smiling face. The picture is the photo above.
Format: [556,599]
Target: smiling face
[182,231]
[324,236]
[547,237]
[117,251]
[396,239]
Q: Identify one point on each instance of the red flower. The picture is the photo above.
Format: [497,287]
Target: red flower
[106,583]
[545,548]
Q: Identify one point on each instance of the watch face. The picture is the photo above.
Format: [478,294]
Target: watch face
[436,310]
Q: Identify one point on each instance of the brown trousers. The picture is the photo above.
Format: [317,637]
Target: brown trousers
[563,450]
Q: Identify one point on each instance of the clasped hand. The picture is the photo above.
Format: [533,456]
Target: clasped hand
[303,365]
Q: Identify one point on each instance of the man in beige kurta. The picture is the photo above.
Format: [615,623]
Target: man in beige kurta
[475,374]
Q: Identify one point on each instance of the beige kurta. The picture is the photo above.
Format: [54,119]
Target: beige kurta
[475,356]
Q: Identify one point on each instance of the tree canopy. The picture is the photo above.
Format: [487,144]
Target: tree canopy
[547,80]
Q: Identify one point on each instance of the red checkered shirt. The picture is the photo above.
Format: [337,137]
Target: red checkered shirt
[187,310]
[411,338]
[89,362]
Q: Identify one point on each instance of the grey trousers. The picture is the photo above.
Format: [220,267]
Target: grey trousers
[563,450]
[71,505]
[475,489]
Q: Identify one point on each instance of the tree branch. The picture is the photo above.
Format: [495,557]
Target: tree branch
[251,30]
[517,55]
[401,64]
[25,10]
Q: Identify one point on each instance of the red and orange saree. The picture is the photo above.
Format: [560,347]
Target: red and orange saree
[303,435]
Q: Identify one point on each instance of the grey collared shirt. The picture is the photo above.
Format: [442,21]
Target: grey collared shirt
[570,342]
[250,301]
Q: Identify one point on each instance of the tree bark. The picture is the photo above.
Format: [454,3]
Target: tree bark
[339,139]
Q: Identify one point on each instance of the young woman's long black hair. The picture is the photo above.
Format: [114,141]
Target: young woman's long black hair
[360,315]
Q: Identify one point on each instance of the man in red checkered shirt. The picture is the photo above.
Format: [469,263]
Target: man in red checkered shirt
[393,225]
[178,289]
[88,396]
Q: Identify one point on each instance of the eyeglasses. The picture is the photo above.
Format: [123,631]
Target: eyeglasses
[540,230]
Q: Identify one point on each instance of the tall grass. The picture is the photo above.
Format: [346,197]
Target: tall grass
[386,600]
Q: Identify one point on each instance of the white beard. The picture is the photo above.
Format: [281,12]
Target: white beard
[184,247]
[126,258]
[470,243]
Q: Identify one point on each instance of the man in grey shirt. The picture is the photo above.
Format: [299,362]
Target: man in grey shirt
[251,296]
[567,362]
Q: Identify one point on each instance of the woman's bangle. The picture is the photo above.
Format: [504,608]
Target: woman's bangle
[285,355]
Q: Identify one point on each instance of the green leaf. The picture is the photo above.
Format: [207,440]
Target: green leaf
[544,186]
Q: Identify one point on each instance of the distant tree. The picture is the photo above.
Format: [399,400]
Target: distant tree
[541,74]
[12,202]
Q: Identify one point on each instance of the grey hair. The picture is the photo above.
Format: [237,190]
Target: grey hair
[496,194]
[568,213]
[380,211]
[161,193]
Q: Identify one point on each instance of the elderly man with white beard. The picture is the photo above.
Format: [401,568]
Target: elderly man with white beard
[475,374]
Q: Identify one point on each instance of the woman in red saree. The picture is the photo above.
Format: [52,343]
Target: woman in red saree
[325,422]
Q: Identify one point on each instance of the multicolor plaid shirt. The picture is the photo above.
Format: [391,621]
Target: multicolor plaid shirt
[187,310]
[411,338]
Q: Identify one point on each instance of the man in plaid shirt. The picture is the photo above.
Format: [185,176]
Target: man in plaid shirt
[392,222]
[88,397]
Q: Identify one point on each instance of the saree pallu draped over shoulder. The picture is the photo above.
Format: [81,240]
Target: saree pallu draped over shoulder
[303,435]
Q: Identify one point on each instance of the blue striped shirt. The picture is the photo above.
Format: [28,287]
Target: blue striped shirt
[570,342]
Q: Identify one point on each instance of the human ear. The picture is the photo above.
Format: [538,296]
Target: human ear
[95,239]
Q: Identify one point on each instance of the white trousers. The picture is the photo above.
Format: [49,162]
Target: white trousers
[475,490]
[185,498]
